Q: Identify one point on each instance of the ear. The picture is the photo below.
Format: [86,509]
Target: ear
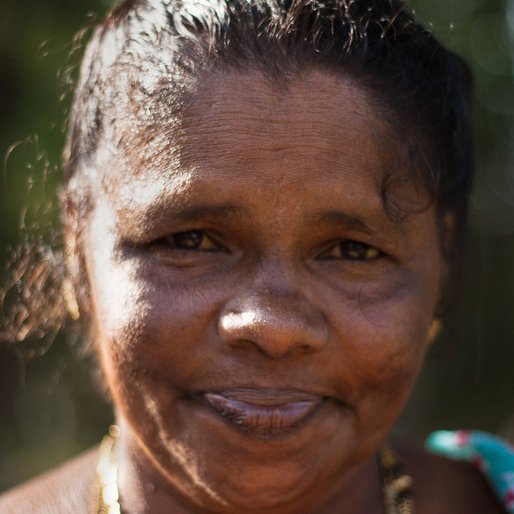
[73,286]
[433,331]
[447,234]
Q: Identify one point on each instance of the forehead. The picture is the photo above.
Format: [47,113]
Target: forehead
[316,131]
[314,116]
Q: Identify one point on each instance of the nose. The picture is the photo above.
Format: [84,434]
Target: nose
[275,322]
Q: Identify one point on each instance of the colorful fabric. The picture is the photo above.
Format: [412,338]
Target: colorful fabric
[491,455]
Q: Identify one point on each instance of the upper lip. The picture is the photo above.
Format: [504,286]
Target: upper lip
[267,396]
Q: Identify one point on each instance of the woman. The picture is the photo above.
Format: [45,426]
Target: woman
[262,205]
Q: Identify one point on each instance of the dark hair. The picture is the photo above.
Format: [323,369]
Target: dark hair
[142,60]
[377,42]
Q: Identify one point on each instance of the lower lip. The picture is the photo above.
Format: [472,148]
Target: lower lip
[263,421]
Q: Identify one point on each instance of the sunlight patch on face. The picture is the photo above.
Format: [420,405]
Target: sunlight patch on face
[119,295]
[144,190]
[184,457]
[148,194]
[236,320]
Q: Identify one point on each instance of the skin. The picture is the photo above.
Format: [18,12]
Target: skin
[278,185]
[274,296]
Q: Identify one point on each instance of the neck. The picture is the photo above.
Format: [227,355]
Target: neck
[144,489]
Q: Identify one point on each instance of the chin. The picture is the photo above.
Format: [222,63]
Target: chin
[267,488]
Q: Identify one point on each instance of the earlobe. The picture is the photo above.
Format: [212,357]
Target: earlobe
[433,331]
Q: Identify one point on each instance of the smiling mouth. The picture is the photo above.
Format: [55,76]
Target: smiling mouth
[264,413]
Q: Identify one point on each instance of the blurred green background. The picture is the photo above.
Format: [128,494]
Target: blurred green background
[49,407]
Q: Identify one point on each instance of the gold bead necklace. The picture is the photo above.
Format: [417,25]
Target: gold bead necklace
[396,485]
[106,499]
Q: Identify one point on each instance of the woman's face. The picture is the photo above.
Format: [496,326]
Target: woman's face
[259,315]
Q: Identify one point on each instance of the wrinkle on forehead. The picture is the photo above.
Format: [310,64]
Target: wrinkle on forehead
[246,106]
[228,102]
[318,118]
[241,121]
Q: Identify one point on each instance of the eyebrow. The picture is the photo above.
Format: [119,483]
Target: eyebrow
[198,212]
[335,217]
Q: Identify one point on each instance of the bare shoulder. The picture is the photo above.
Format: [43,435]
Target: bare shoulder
[444,486]
[63,490]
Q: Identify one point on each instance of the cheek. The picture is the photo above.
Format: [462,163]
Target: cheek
[120,314]
[382,334]
[152,331]
[382,351]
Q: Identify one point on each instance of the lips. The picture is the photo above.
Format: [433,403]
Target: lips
[264,413]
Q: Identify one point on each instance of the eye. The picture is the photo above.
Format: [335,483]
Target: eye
[193,240]
[353,251]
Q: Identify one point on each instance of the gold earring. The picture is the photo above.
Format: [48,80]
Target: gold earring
[433,331]
[70,299]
